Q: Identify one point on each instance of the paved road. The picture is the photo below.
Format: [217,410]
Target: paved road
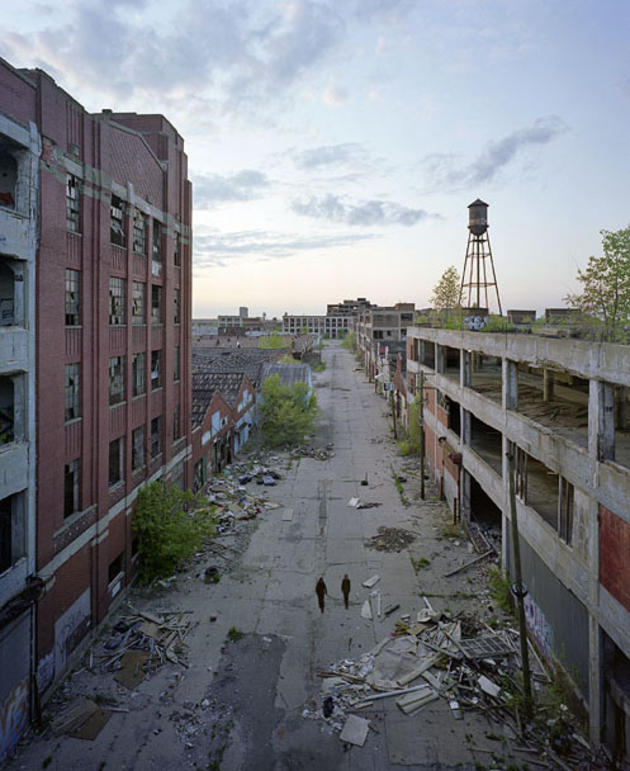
[240,704]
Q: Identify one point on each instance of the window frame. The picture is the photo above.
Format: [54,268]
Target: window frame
[116,370]
[156,308]
[72,391]
[139,232]
[139,302]
[72,470]
[138,374]
[73,204]
[138,452]
[119,457]
[156,437]
[117,221]
[73,304]
[157,359]
[117,301]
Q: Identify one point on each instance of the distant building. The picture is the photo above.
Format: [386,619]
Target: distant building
[336,323]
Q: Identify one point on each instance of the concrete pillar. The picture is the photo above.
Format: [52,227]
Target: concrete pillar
[505,519]
[509,385]
[547,385]
[475,357]
[621,407]
[464,368]
[465,493]
[601,420]
[440,358]
[466,423]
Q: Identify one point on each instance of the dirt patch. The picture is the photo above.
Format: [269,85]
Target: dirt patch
[390,539]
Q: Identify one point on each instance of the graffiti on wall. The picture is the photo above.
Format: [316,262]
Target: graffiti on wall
[13,717]
[45,671]
[538,626]
[70,628]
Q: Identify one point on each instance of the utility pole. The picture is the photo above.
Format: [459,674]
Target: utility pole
[421,422]
[518,588]
[391,400]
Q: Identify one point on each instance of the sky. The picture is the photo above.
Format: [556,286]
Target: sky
[334,146]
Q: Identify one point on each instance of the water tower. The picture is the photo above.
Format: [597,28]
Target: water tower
[478,272]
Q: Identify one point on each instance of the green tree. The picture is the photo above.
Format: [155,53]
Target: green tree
[288,413]
[170,526]
[274,340]
[350,342]
[605,281]
[446,291]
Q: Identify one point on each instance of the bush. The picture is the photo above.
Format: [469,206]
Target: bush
[170,528]
[350,342]
[288,413]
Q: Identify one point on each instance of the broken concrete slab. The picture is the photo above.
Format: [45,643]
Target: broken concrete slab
[355,730]
[370,582]
[366,610]
[287,515]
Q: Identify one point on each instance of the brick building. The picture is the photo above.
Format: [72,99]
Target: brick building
[112,310]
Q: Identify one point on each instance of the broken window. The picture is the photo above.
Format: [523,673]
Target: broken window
[73,318]
[115,568]
[8,178]
[7,296]
[565,518]
[139,232]
[156,370]
[116,379]
[156,436]
[71,488]
[138,374]
[176,302]
[116,454]
[137,448]
[199,478]
[138,302]
[11,530]
[7,411]
[157,241]
[177,255]
[72,391]
[118,229]
[176,427]
[117,314]
[156,304]
[73,209]
[176,363]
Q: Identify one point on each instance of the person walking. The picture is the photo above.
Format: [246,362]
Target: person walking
[321,591]
[345,589]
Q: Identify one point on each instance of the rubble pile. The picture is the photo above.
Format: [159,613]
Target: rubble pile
[313,452]
[390,539]
[141,643]
[429,658]
[234,503]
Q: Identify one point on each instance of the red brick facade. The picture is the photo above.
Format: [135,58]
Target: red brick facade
[84,538]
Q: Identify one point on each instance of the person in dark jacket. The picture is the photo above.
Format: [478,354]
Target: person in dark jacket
[321,591]
[345,589]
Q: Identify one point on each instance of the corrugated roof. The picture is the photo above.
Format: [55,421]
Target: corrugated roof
[289,373]
[204,386]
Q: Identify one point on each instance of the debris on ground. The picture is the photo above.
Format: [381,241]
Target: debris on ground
[84,719]
[142,642]
[428,659]
[390,539]
[313,452]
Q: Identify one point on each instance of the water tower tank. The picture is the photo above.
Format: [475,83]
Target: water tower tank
[478,217]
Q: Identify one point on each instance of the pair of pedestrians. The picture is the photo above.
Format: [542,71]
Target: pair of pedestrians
[321,591]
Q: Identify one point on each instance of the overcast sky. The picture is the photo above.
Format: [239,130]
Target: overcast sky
[334,146]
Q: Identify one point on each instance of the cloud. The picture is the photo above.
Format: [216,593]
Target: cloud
[235,51]
[329,155]
[373,212]
[210,189]
[217,249]
[442,168]
[334,96]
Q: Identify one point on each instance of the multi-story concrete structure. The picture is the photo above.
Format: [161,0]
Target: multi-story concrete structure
[112,304]
[377,326]
[20,148]
[322,326]
[336,323]
[559,407]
